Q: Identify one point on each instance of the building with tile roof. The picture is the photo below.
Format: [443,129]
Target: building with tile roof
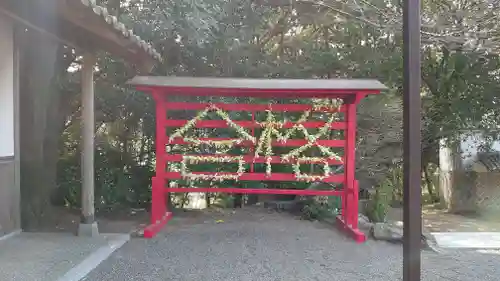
[86,27]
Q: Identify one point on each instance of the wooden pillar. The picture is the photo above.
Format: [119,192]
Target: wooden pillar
[159,207]
[348,221]
[88,226]
[412,148]
[160,199]
[349,163]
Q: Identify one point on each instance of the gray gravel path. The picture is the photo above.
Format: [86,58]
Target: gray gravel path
[278,247]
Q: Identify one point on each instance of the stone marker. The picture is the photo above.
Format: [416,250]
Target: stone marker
[364,223]
[388,231]
[392,231]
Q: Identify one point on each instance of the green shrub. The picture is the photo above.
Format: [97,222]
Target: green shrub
[315,209]
[380,202]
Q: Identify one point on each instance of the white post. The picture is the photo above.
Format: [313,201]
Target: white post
[88,225]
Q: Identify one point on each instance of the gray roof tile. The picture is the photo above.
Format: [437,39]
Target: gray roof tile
[121,28]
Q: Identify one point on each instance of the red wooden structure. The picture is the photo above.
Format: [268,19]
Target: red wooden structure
[350,92]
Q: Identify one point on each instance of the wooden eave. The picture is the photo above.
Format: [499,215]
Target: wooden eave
[84,25]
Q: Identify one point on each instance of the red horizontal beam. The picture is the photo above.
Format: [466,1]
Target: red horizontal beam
[257,191]
[247,158]
[249,124]
[245,107]
[293,142]
[337,178]
[261,93]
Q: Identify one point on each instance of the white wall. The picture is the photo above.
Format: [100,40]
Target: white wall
[470,144]
[6,87]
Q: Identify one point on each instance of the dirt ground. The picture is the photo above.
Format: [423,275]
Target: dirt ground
[122,221]
[132,221]
[437,220]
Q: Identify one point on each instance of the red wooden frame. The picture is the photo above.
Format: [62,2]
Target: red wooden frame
[348,218]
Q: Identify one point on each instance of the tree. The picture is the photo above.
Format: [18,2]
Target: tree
[265,38]
[43,107]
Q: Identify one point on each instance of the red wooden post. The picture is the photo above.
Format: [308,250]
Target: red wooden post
[157,193]
[252,150]
[159,214]
[349,216]
[355,204]
[157,185]
[350,158]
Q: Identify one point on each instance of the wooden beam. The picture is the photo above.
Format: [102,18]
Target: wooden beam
[88,138]
[76,25]
[35,27]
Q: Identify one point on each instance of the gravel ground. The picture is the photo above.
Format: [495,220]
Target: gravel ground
[278,247]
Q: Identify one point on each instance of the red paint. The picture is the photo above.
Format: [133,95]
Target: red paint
[351,230]
[261,93]
[350,168]
[251,151]
[151,230]
[258,191]
[294,142]
[246,107]
[249,124]
[347,220]
[249,159]
[258,176]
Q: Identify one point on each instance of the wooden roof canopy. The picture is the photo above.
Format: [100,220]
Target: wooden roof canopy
[83,24]
[258,87]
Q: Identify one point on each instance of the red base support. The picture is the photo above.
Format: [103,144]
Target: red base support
[354,233]
[159,213]
[151,230]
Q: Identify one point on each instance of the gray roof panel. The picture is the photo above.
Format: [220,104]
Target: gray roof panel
[261,84]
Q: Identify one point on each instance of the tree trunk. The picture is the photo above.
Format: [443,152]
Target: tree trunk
[457,186]
[428,182]
[38,58]
[207,199]
[41,123]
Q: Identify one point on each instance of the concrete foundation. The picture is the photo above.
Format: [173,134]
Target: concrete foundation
[88,229]
[9,198]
